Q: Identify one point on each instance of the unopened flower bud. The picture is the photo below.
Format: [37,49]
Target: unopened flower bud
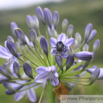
[8,92]
[12,48]
[84,55]
[55,19]
[4,72]
[20,35]
[8,86]
[40,14]
[4,79]
[33,36]
[78,37]
[88,30]
[86,47]
[69,61]
[96,45]
[76,44]
[64,25]
[54,33]
[94,76]
[13,27]
[32,22]
[28,70]
[16,68]
[92,35]
[48,17]
[59,62]
[10,38]
[44,45]
[70,30]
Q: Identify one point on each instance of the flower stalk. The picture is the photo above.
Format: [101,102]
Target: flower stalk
[50,93]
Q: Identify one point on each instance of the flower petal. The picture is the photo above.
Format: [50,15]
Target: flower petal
[41,78]
[19,95]
[66,49]
[54,51]
[31,95]
[53,68]
[54,81]
[62,38]
[69,42]
[53,42]
[41,70]
[4,53]
[64,55]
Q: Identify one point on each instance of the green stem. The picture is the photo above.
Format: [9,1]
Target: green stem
[50,93]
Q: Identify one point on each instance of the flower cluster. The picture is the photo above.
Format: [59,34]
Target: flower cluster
[52,59]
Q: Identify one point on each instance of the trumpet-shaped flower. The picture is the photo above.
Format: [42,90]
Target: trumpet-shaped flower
[46,73]
[61,46]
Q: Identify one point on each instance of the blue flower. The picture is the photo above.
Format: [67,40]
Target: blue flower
[45,73]
[6,54]
[91,70]
[27,90]
[61,46]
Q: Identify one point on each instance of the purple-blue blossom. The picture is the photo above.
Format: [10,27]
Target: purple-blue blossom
[61,45]
[46,73]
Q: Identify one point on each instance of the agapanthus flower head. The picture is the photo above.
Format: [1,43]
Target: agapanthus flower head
[52,60]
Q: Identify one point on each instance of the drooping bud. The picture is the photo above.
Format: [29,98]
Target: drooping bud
[88,30]
[12,48]
[94,76]
[4,72]
[3,79]
[33,36]
[69,61]
[96,45]
[48,17]
[20,35]
[70,30]
[28,70]
[32,22]
[10,38]
[92,35]
[84,55]
[64,25]
[55,19]
[78,37]
[59,62]
[13,27]
[44,45]
[86,47]
[8,92]
[16,68]
[40,14]
[8,86]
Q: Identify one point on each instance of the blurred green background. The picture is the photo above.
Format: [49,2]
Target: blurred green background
[79,13]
